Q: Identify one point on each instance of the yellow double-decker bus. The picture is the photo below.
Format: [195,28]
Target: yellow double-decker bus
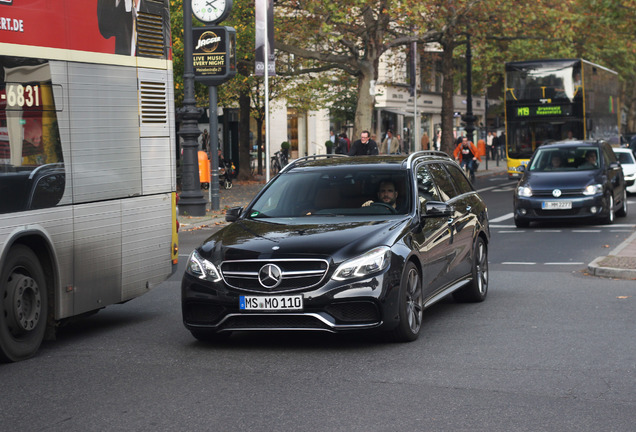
[557,99]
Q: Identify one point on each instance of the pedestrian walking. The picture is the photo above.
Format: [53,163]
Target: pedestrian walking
[437,143]
[364,146]
[388,145]
[490,147]
[425,141]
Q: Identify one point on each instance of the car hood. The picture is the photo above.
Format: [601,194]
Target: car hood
[563,180]
[284,238]
[628,169]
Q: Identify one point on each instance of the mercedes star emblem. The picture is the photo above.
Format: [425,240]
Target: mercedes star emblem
[270,276]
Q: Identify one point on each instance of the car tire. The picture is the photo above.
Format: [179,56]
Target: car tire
[520,223]
[410,305]
[609,218]
[24,303]
[477,289]
[622,212]
[207,336]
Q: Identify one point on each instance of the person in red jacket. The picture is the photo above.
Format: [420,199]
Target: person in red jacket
[466,155]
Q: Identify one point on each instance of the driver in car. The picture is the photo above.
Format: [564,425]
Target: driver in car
[387,194]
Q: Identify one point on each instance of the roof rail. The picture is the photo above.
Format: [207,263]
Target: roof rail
[417,154]
[299,161]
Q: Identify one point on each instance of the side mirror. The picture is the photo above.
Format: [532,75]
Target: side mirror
[233,214]
[521,168]
[432,209]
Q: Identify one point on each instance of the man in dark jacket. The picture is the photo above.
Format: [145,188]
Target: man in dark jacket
[364,146]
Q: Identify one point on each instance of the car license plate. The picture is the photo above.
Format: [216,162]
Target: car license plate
[271,302]
[556,205]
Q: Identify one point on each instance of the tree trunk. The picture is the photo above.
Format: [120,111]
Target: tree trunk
[366,100]
[448,91]
[245,172]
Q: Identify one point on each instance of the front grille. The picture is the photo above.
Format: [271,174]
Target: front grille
[273,322]
[558,213]
[570,193]
[358,312]
[297,274]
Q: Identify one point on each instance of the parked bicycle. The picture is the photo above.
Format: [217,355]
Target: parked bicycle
[277,162]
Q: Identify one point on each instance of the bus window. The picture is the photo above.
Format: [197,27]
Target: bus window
[29,137]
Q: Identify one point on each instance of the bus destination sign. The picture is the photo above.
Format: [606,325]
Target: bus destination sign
[542,111]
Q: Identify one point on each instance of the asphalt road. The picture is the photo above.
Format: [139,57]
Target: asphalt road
[551,349]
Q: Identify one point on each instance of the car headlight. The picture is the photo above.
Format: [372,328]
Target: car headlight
[371,262]
[593,189]
[201,268]
[524,191]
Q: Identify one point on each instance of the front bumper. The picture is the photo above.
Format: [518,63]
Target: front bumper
[365,304]
[532,208]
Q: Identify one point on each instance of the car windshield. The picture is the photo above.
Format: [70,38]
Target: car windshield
[565,159]
[625,158]
[334,191]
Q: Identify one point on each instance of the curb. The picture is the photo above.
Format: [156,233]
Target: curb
[597,269]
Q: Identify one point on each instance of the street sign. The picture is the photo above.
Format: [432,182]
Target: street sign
[214,54]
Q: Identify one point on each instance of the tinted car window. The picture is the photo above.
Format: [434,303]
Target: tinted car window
[426,190]
[568,158]
[335,191]
[625,158]
[461,182]
[443,181]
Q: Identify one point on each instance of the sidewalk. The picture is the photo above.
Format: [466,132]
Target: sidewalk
[620,263]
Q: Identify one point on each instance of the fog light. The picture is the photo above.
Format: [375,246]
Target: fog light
[522,211]
[593,210]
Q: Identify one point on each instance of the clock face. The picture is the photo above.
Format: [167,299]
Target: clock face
[210,10]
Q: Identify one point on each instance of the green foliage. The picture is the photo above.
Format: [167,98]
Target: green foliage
[348,37]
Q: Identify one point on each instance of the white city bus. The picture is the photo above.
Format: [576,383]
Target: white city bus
[87,161]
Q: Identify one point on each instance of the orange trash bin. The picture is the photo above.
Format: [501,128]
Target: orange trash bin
[481,147]
[204,170]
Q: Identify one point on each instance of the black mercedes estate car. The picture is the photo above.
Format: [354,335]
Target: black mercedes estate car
[336,243]
[571,180]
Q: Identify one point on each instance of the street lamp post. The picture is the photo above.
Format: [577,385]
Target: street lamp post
[191,201]
[469,118]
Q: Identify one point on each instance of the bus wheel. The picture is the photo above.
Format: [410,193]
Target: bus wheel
[23,298]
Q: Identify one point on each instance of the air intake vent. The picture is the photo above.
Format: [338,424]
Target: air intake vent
[150,36]
[154,102]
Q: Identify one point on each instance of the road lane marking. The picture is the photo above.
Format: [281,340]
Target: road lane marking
[546,263]
[502,218]
[600,228]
